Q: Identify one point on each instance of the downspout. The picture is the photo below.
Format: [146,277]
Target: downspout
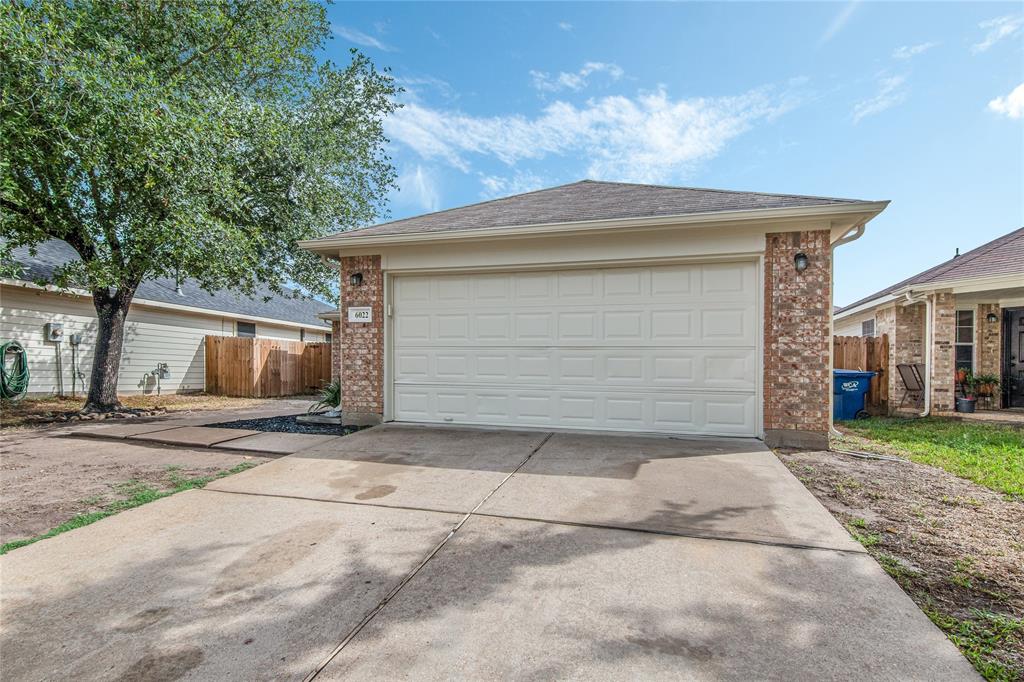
[852,235]
[920,298]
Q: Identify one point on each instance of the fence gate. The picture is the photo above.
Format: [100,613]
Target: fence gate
[867,354]
[265,368]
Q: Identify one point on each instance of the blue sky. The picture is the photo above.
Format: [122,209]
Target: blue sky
[921,104]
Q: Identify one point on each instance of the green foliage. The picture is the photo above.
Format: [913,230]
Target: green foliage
[981,638]
[989,454]
[186,138]
[134,494]
[330,397]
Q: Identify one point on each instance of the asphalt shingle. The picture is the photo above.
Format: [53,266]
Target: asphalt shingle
[590,200]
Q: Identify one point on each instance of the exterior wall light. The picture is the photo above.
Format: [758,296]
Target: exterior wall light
[800,261]
[356,279]
[991,318]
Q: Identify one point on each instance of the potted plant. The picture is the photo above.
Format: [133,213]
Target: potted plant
[988,385]
[968,398]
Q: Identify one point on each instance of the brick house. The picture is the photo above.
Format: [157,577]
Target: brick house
[599,306]
[966,313]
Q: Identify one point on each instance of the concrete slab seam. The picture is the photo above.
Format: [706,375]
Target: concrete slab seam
[412,574]
[187,446]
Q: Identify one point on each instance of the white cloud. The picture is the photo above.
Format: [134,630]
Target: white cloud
[1011,105]
[417,188]
[565,25]
[359,38]
[415,85]
[574,81]
[998,29]
[503,186]
[838,22]
[908,51]
[647,138]
[890,93]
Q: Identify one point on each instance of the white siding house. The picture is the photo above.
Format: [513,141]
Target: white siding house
[157,331]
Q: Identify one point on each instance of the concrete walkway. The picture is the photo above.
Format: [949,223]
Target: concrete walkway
[433,553]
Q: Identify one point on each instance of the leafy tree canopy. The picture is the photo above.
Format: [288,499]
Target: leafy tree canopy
[193,139]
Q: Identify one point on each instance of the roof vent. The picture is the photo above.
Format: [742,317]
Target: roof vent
[957,254]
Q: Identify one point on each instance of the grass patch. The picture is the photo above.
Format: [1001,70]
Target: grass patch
[979,636]
[134,494]
[991,455]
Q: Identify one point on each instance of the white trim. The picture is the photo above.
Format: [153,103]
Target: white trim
[957,286]
[82,293]
[861,212]
[974,335]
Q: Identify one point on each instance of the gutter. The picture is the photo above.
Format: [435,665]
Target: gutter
[852,235]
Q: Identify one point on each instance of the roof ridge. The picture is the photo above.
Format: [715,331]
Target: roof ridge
[718,190]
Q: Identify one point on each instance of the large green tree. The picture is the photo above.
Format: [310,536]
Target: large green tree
[182,138]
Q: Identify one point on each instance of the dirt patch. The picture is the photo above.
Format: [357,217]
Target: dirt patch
[955,547]
[45,480]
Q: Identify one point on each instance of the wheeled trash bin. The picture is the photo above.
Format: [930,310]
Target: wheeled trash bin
[849,386]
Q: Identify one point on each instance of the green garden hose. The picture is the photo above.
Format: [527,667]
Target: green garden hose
[13,380]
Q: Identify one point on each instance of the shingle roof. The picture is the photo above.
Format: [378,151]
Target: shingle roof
[52,254]
[590,200]
[1002,256]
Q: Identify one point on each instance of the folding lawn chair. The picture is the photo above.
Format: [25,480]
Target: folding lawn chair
[913,382]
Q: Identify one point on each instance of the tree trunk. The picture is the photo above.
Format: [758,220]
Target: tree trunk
[111,310]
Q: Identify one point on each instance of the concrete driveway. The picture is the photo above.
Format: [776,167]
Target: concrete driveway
[436,553]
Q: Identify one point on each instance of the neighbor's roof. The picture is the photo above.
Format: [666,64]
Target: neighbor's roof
[1002,256]
[53,253]
[589,200]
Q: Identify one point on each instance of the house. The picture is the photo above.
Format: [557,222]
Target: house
[598,305]
[167,323]
[965,313]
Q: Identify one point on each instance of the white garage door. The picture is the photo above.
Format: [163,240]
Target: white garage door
[669,348]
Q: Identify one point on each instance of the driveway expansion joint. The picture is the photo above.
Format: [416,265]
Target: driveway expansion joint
[412,574]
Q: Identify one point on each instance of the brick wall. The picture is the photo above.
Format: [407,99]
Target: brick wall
[989,339]
[335,350]
[943,329]
[905,326]
[797,339]
[362,343]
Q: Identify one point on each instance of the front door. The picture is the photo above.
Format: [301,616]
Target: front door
[1013,337]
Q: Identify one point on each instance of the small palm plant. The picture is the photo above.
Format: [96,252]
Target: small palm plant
[330,397]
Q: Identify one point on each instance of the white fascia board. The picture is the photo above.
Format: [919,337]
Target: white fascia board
[860,212]
[867,305]
[210,312]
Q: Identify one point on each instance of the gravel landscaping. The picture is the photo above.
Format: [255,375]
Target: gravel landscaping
[287,424]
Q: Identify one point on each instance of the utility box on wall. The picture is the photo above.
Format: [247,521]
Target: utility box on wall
[54,331]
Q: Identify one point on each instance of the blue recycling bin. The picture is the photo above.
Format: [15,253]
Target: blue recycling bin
[849,386]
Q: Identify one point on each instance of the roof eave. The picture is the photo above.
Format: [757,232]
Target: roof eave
[862,211]
[957,286]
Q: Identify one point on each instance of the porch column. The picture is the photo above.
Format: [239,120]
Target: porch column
[362,340]
[943,378]
[905,326]
[989,339]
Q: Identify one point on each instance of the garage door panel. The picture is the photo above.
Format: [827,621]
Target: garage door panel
[669,348]
[638,368]
[672,412]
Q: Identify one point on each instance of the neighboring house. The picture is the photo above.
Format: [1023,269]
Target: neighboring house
[598,305]
[163,326]
[965,313]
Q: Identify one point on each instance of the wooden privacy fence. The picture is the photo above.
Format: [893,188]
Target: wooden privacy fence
[265,368]
[868,354]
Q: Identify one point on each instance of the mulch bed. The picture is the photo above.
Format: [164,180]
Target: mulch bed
[288,424]
[955,547]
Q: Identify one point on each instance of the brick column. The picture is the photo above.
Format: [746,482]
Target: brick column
[990,339]
[797,340]
[943,368]
[362,343]
[335,350]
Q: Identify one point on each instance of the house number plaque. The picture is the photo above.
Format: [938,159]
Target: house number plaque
[360,314]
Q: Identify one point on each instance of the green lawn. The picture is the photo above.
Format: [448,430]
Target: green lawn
[989,454]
